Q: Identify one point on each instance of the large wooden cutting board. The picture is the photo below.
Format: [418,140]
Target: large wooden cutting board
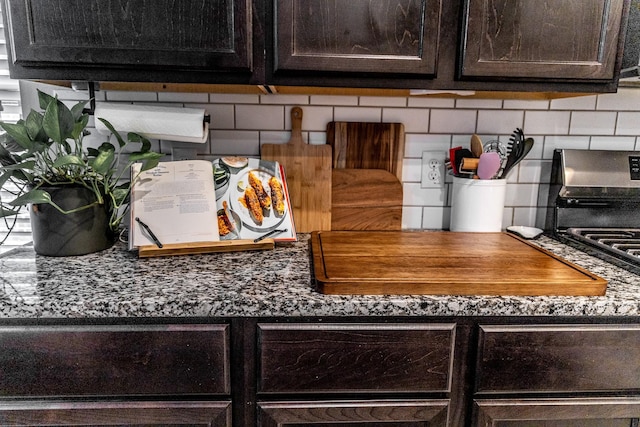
[307,169]
[443,263]
[364,145]
[365,199]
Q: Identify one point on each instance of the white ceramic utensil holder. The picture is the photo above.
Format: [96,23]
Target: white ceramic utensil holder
[477,205]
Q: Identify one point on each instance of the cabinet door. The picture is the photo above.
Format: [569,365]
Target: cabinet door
[550,40]
[613,412]
[401,413]
[114,360]
[380,36]
[32,413]
[372,358]
[212,35]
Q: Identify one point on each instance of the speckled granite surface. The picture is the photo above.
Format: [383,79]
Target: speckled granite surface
[115,283]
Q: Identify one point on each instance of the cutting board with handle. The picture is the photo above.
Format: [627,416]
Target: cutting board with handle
[307,170]
[443,263]
[367,145]
[365,199]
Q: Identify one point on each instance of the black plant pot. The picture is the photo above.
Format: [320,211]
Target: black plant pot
[78,233]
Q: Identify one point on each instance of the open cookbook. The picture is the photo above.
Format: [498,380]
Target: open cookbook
[195,201]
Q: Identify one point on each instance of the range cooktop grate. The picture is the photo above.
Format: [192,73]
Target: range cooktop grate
[622,242]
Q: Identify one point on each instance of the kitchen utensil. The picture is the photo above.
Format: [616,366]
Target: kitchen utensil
[524,231]
[476,145]
[418,262]
[469,164]
[526,147]
[365,199]
[458,156]
[514,151]
[363,145]
[488,165]
[308,173]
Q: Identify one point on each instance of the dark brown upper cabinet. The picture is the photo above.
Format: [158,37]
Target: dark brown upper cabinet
[133,40]
[377,37]
[550,40]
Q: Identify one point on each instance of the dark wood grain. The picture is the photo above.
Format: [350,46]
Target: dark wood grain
[114,360]
[401,413]
[384,36]
[525,359]
[365,199]
[367,145]
[595,412]
[443,263]
[556,39]
[158,413]
[355,358]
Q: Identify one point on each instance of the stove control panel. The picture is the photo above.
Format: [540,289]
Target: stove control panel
[634,167]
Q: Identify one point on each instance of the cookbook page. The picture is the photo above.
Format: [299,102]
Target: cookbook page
[252,200]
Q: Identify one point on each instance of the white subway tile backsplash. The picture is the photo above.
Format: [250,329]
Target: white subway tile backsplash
[547,122]
[118,95]
[182,97]
[284,99]
[430,102]
[357,114]
[233,98]
[593,123]
[628,123]
[612,143]
[383,101]
[415,144]
[499,121]
[333,100]
[414,119]
[259,117]
[625,99]
[235,142]
[242,122]
[552,143]
[453,121]
[575,103]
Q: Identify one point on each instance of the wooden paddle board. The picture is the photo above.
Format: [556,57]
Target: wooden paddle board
[364,145]
[307,170]
[443,263]
[365,199]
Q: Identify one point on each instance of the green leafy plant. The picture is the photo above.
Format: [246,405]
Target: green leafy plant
[46,149]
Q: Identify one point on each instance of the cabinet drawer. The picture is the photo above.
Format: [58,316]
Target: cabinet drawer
[355,358]
[558,358]
[114,360]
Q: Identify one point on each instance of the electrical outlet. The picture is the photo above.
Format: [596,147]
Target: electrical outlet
[433,169]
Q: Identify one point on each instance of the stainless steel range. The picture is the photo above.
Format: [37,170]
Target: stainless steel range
[594,204]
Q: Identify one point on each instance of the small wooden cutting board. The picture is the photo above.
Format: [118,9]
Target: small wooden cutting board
[443,263]
[307,169]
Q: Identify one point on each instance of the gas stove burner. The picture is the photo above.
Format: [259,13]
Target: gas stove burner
[621,242]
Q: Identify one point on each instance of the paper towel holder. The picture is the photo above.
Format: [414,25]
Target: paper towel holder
[92,87]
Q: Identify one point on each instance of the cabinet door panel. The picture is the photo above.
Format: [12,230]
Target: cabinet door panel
[209,34]
[114,360]
[353,357]
[401,413]
[384,36]
[613,412]
[554,39]
[205,414]
[558,358]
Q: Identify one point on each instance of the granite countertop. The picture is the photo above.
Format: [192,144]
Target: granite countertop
[116,283]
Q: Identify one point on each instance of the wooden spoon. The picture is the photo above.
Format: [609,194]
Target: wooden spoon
[476,145]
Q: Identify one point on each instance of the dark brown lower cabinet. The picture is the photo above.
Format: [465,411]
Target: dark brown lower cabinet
[401,413]
[606,412]
[161,413]
[342,372]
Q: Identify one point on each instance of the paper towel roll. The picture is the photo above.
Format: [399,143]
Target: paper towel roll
[156,122]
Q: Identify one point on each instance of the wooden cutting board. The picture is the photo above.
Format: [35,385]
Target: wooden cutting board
[307,169]
[443,263]
[363,145]
[365,199]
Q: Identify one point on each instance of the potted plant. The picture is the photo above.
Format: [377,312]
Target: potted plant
[77,195]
